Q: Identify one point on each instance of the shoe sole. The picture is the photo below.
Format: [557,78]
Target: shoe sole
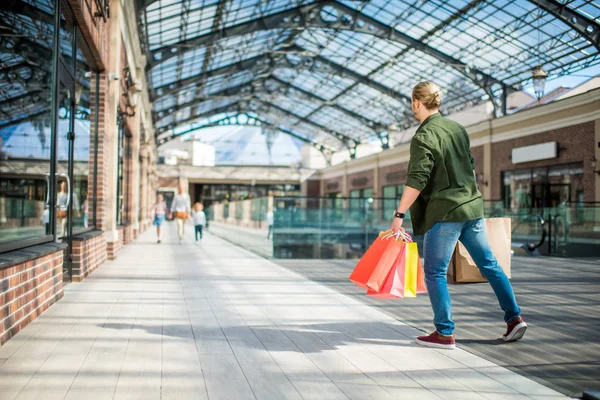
[436,345]
[517,333]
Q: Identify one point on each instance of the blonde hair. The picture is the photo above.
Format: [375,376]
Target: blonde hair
[198,206]
[429,94]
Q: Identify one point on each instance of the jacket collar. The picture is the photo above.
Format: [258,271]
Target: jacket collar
[429,119]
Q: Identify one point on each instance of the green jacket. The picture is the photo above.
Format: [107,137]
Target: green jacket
[441,167]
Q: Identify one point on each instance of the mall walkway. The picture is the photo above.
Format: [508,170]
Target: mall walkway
[214,321]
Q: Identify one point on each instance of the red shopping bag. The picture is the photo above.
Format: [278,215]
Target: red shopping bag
[369,261]
[391,254]
[406,278]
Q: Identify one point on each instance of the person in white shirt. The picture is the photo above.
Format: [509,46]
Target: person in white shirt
[199,219]
[270,224]
[182,208]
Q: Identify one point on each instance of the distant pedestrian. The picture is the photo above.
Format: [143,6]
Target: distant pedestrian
[199,218]
[159,212]
[270,224]
[182,208]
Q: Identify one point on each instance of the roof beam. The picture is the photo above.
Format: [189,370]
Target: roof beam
[264,122]
[346,140]
[311,96]
[20,7]
[310,16]
[295,57]
[249,92]
[257,60]
[583,25]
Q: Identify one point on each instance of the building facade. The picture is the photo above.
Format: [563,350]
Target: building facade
[538,158]
[77,166]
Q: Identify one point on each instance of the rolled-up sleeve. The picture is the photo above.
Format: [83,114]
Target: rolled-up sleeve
[420,164]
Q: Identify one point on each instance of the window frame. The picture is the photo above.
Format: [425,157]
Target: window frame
[58,64]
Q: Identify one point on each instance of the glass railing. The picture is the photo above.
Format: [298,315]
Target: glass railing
[343,228]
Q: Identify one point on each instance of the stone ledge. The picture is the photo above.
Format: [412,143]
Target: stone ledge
[14,257]
[88,235]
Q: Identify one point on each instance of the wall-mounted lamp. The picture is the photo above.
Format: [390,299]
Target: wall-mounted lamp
[132,103]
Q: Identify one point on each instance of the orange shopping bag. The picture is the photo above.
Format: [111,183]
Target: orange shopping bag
[406,277]
[386,262]
[367,264]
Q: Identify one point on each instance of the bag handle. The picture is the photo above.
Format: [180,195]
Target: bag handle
[400,235]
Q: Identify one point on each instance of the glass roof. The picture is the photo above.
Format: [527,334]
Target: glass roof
[321,69]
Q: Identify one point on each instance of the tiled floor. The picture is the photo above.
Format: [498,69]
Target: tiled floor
[559,297]
[213,321]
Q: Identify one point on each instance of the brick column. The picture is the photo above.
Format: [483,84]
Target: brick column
[112,142]
[144,188]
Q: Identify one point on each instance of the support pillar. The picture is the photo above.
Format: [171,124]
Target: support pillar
[112,140]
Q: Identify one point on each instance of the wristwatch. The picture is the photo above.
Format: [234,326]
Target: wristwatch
[399,215]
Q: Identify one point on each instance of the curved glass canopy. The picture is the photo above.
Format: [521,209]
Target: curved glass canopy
[339,73]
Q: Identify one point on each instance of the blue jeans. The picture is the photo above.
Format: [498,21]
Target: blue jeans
[198,230]
[439,245]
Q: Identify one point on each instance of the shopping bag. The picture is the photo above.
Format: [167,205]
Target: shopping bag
[369,261]
[379,275]
[406,278]
[463,269]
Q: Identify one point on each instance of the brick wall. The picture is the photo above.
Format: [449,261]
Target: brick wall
[392,175]
[112,248]
[103,135]
[360,180]
[576,144]
[28,289]
[88,254]
[478,154]
[333,185]
[94,29]
[313,188]
[127,232]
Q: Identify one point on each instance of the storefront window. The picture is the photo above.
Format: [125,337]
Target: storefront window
[122,175]
[84,142]
[25,123]
[391,196]
[543,187]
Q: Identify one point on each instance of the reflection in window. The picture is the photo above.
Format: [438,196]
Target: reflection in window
[25,121]
[84,145]
[543,187]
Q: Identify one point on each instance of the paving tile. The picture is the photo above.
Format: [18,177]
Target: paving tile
[216,322]
[401,393]
[224,378]
[364,392]
[268,381]
[311,390]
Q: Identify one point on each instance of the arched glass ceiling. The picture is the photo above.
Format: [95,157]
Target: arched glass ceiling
[340,72]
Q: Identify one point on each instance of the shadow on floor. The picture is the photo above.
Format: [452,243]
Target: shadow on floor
[311,338]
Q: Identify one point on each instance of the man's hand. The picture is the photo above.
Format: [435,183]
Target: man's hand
[397,224]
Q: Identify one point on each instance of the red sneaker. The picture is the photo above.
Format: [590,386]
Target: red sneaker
[438,341]
[515,331]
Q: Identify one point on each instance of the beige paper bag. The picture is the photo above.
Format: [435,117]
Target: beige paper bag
[462,268]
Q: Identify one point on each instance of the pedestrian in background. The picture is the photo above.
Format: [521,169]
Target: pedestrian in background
[181,208]
[446,206]
[159,212]
[199,218]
